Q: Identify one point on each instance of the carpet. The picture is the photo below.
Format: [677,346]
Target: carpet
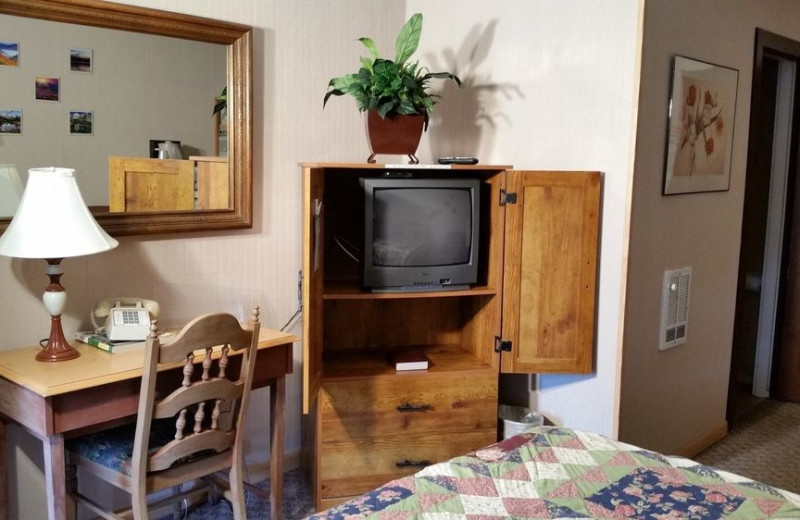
[764,447]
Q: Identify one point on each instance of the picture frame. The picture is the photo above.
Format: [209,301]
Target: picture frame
[701,118]
[81,122]
[47,88]
[10,121]
[9,53]
[81,60]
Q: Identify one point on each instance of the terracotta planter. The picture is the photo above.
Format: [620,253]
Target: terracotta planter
[398,135]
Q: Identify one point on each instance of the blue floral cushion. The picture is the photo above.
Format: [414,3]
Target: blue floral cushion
[113,448]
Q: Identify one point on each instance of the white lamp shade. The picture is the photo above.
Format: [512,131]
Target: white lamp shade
[10,190]
[52,220]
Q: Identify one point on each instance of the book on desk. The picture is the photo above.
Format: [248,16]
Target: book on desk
[102,342]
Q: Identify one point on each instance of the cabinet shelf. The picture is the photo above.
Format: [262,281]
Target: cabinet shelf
[349,291]
[352,363]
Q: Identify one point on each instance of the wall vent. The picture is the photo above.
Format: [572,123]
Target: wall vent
[675,307]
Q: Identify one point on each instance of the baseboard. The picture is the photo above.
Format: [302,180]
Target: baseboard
[699,444]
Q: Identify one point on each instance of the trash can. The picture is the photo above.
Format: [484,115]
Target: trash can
[517,418]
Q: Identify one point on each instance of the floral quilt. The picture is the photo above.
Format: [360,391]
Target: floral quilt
[550,472]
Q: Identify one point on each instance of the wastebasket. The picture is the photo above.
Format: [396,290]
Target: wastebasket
[518,418]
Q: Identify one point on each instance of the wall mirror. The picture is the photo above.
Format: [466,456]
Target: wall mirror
[140,77]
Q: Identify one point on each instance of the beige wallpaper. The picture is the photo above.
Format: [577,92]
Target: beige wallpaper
[673,397]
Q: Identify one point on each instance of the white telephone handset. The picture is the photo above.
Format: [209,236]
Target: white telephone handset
[126,319]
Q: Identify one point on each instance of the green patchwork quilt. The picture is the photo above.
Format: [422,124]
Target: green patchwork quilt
[550,472]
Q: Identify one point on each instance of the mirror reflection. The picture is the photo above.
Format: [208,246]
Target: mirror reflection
[132,113]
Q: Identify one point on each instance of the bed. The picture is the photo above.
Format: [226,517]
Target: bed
[552,472]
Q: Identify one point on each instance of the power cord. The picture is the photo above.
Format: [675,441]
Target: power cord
[297,313]
[349,248]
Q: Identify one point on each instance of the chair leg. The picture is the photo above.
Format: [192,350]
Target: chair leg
[237,496]
[139,504]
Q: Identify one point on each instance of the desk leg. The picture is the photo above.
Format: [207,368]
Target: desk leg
[3,473]
[277,425]
[55,477]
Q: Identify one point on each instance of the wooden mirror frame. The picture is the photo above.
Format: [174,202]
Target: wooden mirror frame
[238,38]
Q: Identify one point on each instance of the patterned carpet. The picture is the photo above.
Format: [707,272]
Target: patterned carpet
[765,447]
[296,502]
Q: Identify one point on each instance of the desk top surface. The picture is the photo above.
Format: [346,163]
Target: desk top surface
[94,367]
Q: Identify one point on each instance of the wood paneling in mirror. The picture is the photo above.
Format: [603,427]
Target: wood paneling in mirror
[238,38]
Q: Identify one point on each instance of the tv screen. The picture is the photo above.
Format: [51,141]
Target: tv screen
[420,234]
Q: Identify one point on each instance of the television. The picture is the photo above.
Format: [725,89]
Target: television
[420,234]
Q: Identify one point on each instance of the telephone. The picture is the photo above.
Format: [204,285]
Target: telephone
[126,319]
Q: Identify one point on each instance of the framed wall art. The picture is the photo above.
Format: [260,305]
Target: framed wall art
[9,53]
[80,60]
[702,108]
[10,121]
[48,88]
[81,122]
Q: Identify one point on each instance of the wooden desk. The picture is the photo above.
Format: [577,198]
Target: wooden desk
[54,400]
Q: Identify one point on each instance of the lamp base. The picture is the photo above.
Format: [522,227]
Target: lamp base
[57,347]
[55,298]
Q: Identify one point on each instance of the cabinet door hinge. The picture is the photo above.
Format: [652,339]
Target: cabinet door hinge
[500,345]
[507,197]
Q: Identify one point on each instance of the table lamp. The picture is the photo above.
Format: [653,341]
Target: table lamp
[52,222]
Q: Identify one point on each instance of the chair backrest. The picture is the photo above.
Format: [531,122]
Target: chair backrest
[207,407]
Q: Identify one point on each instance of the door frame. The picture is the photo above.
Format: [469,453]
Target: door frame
[767,45]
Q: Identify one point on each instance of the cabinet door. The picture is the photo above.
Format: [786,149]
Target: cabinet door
[313,250]
[550,271]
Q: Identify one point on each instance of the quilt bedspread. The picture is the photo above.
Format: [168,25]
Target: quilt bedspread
[550,472]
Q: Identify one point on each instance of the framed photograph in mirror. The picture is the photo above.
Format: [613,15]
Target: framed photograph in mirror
[702,108]
[10,121]
[80,60]
[9,53]
[48,88]
[81,122]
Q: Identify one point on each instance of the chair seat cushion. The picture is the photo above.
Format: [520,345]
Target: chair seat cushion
[113,448]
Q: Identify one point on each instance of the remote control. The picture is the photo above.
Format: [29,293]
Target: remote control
[458,160]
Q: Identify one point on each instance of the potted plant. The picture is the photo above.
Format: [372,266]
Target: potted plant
[393,94]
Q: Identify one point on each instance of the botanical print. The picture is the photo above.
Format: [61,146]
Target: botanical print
[80,60]
[10,121]
[702,144]
[81,122]
[9,53]
[47,88]
[700,137]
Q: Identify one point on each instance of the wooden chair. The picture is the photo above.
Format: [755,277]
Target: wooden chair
[186,429]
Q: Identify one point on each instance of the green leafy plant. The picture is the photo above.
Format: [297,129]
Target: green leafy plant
[222,101]
[392,87]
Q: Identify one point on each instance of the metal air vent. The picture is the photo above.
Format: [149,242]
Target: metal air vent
[675,308]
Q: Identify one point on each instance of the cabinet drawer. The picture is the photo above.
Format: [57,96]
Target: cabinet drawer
[351,468]
[408,403]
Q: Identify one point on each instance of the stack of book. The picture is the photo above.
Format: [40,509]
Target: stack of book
[102,342]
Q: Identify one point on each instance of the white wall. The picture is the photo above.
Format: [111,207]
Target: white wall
[673,398]
[551,85]
[142,87]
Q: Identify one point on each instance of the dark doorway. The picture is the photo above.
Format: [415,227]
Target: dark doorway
[761,347]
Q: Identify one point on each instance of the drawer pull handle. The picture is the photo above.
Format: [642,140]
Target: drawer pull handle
[412,463]
[408,407]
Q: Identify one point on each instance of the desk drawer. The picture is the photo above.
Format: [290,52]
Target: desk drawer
[357,466]
[407,403]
